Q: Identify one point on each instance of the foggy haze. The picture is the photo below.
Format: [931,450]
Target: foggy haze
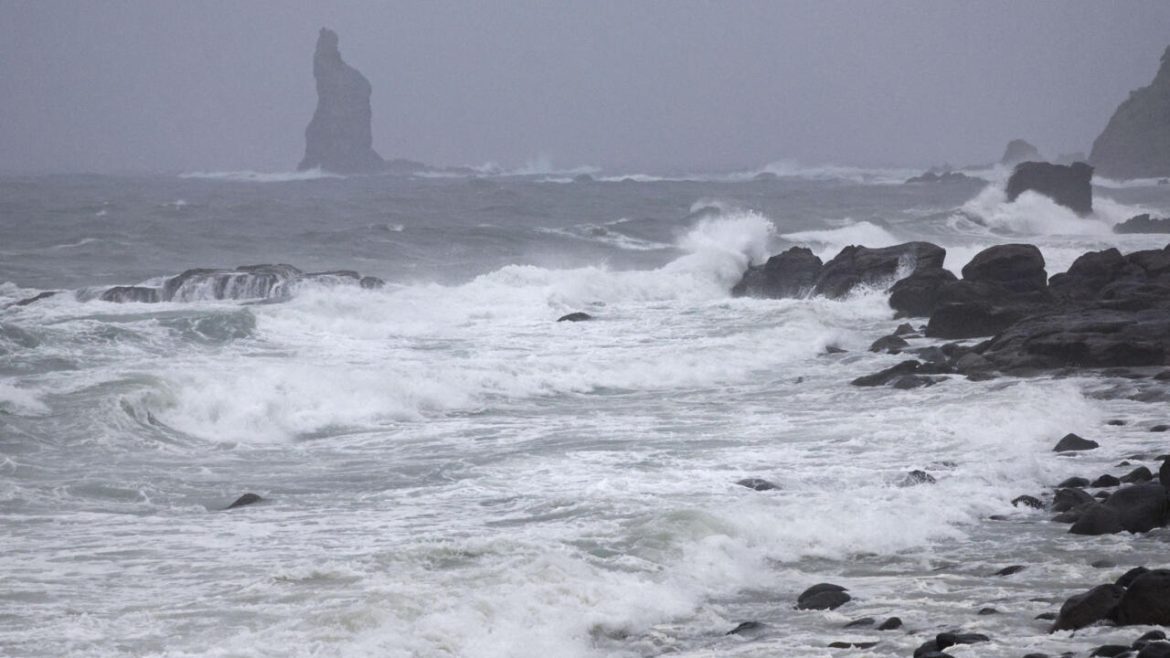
[169,86]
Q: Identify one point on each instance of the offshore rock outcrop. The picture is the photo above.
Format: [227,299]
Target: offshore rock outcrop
[800,273]
[1018,151]
[1136,141]
[339,137]
[1143,224]
[245,283]
[1069,185]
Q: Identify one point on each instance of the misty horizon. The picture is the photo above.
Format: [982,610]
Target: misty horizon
[645,87]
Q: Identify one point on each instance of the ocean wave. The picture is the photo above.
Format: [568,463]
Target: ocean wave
[1035,214]
[828,242]
[247,176]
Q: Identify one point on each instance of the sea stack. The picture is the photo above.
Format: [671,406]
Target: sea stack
[1136,142]
[1069,185]
[339,138]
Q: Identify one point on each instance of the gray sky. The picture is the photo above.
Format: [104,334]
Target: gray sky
[155,85]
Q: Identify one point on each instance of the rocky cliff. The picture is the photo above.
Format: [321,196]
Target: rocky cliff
[1136,142]
[339,138]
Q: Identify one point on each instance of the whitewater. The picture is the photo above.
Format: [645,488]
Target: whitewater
[449,471]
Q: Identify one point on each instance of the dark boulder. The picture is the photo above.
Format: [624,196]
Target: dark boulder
[577,316]
[1136,141]
[863,622]
[1096,519]
[889,344]
[971,320]
[791,274]
[1075,481]
[918,294]
[888,375]
[1128,577]
[1087,608]
[1068,185]
[1027,501]
[1106,480]
[862,266]
[822,596]
[1146,600]
[1153,650]
[246,499]
[1140,507]
[1091,272]
[944,177]
[1007,571]
[891,624]
[1072,442]
[1017,268]
[35,298]
[1139,474]
[1068,499]
[757,484]
[746,627]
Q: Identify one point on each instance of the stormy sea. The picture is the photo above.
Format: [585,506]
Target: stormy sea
[444,469]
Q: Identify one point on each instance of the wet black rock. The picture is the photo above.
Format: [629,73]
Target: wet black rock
[1027,501]
[918,294]
[1140,507]
[1160,428]
[757,484]
[1077,481]
[1110,650]
[1126,579]
[888,375]
[1096,519]
[891,624]
[1088,608]
[132,294]
[1067,185]
[889,344]
[791,274]
[246,499]
[1072,442]
[862,266]
[1016,268]
[1116,422]
[987,611]
[1154,650]
[1146,600]
[746,627]
[916,477]
[35,298]
[1106,481]
[822,596]
[1066,499]
[1007,571]
[1139,474]
[577,316]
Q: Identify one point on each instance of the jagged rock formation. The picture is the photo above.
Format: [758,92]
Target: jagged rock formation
[1069,185]
[339,138]
[799,273]
[1018,151]
[1136,141]
[1143,224]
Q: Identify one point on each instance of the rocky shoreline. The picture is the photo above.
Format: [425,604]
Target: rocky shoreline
[1005,316]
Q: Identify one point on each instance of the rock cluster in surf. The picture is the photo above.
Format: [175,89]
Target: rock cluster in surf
[1136,141]
[339,138]
[247,282]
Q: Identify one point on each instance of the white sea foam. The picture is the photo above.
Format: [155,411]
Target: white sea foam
[248,176]
[1035,214]
[828,242]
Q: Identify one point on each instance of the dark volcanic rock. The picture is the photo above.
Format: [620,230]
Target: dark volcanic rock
[1067,185]
[861,266]
[757,484]
[918,294]
[889,374]
[1089,273]
[822,596]
[1072,442]
[1093,337]
[1106,481]
[132,294]
[791,274]
[914,478]
[1075,481]
[1146,600]
[577,316]
[1084,609]
[1143,224]
[1136,141]
[1007,571]
[1018,151]
[1016,268]
[339,137]
[1139,474]
[246,499]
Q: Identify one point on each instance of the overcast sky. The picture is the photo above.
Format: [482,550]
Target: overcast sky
[156,85]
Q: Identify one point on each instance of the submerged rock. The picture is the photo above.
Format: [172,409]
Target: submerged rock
[246,499]
[757,484]
[339,137]
[1136,141]
[577,316]
[1068,185]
